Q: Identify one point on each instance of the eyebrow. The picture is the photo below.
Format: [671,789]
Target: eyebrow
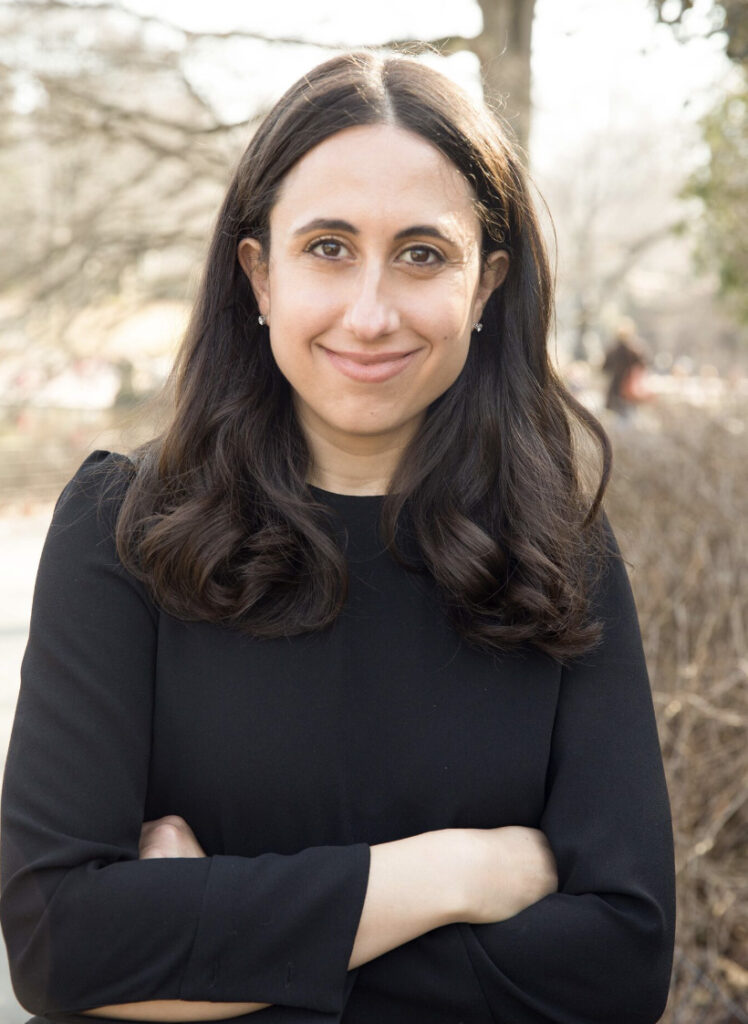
[326,224]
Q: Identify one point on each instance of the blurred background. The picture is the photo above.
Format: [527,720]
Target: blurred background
[120,124]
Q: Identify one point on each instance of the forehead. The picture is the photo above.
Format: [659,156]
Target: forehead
[376,174]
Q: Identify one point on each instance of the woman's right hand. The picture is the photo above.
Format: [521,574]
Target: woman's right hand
[505,870]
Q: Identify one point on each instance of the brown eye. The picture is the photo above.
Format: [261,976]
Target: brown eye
[327,244]
[425,251]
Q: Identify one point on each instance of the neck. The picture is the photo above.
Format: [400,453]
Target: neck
[354,464]
[353,475]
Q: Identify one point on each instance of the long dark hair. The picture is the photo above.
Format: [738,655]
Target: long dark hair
[218,518]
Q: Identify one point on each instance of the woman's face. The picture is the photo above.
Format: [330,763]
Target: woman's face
[372,285]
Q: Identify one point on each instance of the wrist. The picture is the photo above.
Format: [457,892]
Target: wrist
[449,853]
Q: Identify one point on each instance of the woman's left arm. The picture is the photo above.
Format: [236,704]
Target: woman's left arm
[598,951]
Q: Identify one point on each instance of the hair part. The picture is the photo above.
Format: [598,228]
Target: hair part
[218,519]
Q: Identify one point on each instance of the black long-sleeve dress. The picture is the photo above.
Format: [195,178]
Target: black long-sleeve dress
[289,758]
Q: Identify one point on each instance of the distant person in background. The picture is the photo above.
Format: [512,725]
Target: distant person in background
[625,365]
[335,697]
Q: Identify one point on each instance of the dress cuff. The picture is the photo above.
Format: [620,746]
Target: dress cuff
[279,929]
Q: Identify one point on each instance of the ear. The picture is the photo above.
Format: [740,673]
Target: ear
[253,263]
[496,269]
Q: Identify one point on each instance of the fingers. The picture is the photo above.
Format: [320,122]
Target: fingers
[169,836]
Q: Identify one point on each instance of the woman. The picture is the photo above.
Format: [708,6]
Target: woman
[334,706]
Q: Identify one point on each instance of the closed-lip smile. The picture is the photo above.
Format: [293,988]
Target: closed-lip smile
[367,358]
[370,367]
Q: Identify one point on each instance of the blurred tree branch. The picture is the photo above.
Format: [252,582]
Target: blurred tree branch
[728,17]
[721,184]
[97,9]
[502,47]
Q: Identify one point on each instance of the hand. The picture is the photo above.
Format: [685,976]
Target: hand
[169,836]
[509,868]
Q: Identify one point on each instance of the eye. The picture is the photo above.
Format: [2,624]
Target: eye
[327,243]
[427,251]
[421,258]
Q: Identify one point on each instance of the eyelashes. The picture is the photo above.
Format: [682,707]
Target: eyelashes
[427,249]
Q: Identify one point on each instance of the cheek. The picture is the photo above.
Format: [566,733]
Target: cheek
[441,369]
[299,298]
[446,318]
[288,354]
[455,355]
[298,315]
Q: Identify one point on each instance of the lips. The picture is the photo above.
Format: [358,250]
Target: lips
[368,358]
[369,367]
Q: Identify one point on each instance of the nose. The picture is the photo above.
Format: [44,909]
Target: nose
[369,314]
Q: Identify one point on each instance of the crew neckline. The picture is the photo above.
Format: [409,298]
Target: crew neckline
[358,516]
[346,497]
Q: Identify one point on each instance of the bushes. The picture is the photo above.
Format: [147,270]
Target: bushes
[679,504]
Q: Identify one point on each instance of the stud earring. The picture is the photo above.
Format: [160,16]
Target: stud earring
[261,320]
[478,327]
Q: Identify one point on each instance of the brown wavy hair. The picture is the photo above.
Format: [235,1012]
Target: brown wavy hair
[218,518]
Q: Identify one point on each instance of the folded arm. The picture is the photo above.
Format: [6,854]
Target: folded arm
[415,885]
[86,922]
[599,950]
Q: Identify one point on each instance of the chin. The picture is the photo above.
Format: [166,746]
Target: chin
[361,417]
[372,429]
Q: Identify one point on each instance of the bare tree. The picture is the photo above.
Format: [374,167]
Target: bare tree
[503,48]
[723,17]
[615,206]
[720,184]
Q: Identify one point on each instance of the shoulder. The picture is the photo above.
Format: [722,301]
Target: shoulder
[85,515]
[612,581]
[98,485]
[80,549]
[612,602]
[98,473]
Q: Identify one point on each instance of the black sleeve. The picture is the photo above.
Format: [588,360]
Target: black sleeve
[86,923]
[599,951]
